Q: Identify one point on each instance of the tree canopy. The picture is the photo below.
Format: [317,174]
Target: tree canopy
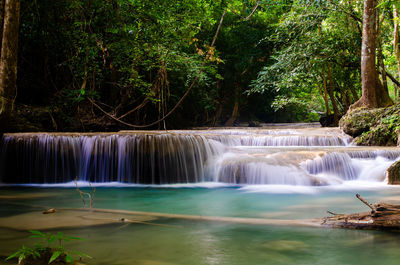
[117,64]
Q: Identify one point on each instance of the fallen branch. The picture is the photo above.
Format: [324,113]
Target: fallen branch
[366,203]
[382,217]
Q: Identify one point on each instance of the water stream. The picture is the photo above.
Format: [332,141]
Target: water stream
[279,156]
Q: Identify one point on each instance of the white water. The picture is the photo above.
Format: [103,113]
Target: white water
[262,159]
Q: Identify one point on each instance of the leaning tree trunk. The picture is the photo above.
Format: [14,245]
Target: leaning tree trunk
[373,93]
[8,59]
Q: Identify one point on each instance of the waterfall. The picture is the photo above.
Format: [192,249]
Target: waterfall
[334,163]
[275,140]
[134,158]
[270,156]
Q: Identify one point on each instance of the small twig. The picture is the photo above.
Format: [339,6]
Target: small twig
[332,213]
[249,16]
[366,203]
[252,12]
[90,196]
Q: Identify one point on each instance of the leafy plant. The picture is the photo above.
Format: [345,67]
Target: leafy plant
[50,238]
[25,252]
[56,251]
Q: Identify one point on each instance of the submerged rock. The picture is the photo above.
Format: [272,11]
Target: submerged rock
[286,245]
[393,173]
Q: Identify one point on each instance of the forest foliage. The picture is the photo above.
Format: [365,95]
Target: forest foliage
[273,60]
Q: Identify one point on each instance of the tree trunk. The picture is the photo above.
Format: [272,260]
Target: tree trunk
[373,93]
[396,46]
[354,96]
[381,64]
[324,96]
[2,2]
[235,111]
[8,59]
[322,92]
[332,96]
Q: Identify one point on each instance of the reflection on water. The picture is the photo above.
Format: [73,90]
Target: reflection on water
[199,242]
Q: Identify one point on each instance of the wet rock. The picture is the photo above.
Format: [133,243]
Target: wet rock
[51,210]
[254,124]
[359,120]
[393,173]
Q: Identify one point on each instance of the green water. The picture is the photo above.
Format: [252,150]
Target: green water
[172,241]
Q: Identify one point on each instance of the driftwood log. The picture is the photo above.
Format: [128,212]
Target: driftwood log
[382,216]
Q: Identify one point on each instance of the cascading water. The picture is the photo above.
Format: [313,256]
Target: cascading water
[301,156]
[132,158]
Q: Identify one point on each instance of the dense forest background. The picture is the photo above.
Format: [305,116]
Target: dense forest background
[110,64]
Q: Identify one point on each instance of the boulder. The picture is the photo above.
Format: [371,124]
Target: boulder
[359,120]
[393,173]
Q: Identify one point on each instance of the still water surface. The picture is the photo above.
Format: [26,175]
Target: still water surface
[172,241]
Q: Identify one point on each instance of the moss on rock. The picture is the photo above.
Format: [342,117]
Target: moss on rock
[373,126]
[359,121]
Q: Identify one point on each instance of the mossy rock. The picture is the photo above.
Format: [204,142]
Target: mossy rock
[373,127]
[393,173]
[380,135]
[385,131]
[360,120]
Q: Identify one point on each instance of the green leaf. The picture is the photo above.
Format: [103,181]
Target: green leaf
[218,76]
[36,254]
[13,255]
[38,233]
[69,259]
[35,236]
[51,239]
[55,255]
